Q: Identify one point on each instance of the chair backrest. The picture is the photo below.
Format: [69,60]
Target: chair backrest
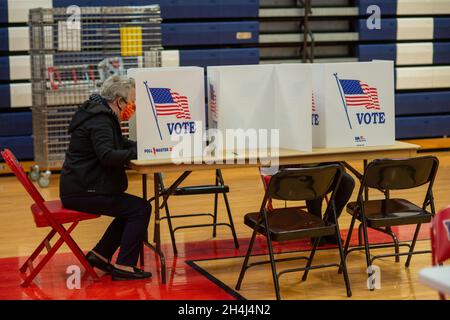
[297,184]
[440,236]
[397,174]
[17,169]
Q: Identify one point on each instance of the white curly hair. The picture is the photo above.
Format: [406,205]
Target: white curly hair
[117,86]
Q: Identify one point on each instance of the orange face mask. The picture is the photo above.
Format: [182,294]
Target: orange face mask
[127,112]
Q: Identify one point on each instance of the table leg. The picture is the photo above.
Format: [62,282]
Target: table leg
[157,229]
[144,196]
[157,238]
[144,187]
[358,175]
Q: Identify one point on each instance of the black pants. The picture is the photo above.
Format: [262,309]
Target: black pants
[343,194]
[127,230]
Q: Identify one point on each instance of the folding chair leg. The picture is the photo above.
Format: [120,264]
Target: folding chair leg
[64,237]
[38,251]
[343,265]
[245,264]
[216,197]
[219,178]
[413,244]
[65,234]
[366,246]
[272,259]
[349,235]
[158,185]
[396,246]
[347,241]
[272,264]
[360,234]
[42,263]
[310,259]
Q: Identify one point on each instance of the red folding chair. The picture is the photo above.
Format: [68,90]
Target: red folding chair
[48,214]
[440,239]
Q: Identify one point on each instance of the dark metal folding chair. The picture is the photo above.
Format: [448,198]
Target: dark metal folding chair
[382,215]
[174,190]
[284,224]
[266,180]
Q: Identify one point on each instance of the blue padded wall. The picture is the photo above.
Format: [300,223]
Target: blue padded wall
[387,7]
[422,103]
[5,96]
[182,9]
[205,32]
[4,39]
[388,30]
[419,113]
[367,52]
[216,57]
[441,28]
[4,68]
[422,127]
[441,53]
[3,11]
[21,146]
[208,33]
[15,124]
[403,7]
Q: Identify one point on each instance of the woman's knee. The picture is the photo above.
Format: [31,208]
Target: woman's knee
[141,209]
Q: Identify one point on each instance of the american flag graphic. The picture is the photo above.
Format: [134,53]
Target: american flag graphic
[313,103]
[170,103]
[360,94]
[213,101]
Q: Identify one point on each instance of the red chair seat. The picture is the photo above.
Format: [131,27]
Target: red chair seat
[59,213]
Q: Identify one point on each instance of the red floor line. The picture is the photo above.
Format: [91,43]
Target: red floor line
[183,282]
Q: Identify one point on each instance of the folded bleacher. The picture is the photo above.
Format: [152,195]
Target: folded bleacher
[415,34]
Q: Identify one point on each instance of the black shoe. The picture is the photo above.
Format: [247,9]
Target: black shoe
[98,263]
[121,275]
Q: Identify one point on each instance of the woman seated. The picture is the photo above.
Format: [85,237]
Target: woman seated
[93,177]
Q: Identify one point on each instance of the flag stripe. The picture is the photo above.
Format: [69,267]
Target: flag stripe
[360,94]
[313,103]
[170,103]
[213,101]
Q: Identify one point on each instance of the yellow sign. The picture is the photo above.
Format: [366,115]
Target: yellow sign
[131,41]
[243,35]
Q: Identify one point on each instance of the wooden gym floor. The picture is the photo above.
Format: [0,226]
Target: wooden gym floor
[207,259]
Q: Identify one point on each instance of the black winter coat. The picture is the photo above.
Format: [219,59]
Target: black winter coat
[98,153]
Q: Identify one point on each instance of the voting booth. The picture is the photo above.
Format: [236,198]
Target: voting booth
[170,110]
[258,97]
[354,104]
